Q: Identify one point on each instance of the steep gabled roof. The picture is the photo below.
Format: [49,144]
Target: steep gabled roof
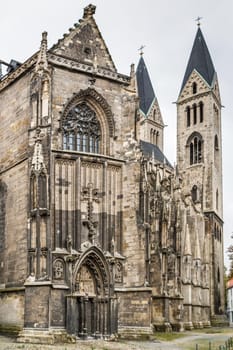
[85,44]
[145,88]
[200,60]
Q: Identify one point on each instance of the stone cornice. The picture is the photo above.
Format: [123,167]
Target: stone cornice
[68,63]
[10,78]
[198,96]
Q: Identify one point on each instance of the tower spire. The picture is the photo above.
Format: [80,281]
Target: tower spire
[200,59]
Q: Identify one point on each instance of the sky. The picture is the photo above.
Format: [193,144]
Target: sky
[165,27]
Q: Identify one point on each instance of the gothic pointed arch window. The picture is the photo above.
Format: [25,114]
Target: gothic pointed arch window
[81,129]
[195,147]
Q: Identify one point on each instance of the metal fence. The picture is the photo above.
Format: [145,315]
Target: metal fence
[227,346]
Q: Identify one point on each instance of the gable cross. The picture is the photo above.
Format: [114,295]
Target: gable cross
[198,20]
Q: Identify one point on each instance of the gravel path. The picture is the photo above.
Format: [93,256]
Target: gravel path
[189,340]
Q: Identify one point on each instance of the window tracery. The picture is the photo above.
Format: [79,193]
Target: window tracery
[195,144]
[81,130]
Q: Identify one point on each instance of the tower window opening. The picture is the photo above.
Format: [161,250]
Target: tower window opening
[154,114]
[151,135]
[194,114]
[194,87]
[157,138]
[195,148]
[191,153]
[216,146]
[201,108]
[188,116]
[217,200]
[154,137]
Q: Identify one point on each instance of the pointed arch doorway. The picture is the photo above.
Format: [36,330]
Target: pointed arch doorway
[92,307]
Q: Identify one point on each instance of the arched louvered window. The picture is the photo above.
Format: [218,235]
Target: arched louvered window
[81,130]
[195,145]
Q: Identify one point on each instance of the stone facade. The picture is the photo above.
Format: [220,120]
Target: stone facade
[98,233]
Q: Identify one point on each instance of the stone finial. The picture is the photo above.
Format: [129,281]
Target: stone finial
[89,11]
[42,62]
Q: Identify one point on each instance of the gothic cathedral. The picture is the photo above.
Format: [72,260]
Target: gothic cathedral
[99,234]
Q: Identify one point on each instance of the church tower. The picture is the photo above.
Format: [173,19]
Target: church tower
[150,122]
[199,154]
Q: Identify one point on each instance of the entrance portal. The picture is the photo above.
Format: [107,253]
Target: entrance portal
[92,308]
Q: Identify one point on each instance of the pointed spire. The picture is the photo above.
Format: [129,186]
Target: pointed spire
[42,62]
[200,60]
[145,88]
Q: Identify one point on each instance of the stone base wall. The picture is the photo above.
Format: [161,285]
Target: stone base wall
[37,300]
[134,308]
[11,310]
[167,313]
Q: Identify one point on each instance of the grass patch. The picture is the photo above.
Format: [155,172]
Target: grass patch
[163,336]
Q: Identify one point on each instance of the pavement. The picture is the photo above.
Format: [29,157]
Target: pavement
[188,341]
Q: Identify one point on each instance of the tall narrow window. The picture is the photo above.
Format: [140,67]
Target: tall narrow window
[199,152]
[188,116]
[201,108]
[216,146]
[81,130]
[191,153]
[155,138]
[194,87]
[42,184]
[194,114]
[33,192]
[194,193]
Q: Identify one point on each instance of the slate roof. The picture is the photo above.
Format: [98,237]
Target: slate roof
[200,60]
[153,151]
[145,88]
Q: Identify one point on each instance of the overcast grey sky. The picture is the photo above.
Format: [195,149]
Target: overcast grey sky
[167,29]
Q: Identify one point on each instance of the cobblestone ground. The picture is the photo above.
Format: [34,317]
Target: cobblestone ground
[189,342]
